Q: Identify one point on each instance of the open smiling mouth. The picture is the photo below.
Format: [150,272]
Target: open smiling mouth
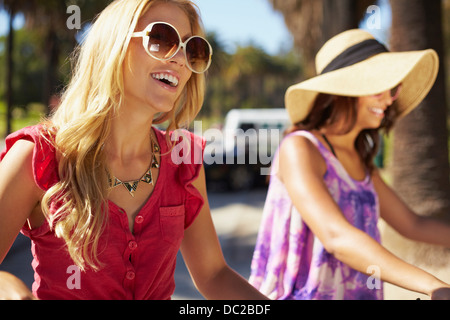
[166,78]
[379,112]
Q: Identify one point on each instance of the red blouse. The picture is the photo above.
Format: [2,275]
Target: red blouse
[138,265]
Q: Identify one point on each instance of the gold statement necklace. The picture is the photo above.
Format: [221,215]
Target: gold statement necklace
[147,177]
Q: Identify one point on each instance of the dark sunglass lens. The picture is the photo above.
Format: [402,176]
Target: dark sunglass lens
[395,92]
[163,41]
[198,54]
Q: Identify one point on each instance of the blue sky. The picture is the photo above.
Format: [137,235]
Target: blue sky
[240,22]
[4,20]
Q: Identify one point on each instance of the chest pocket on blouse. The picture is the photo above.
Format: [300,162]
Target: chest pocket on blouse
[172,224]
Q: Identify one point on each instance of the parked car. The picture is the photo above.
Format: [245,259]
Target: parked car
[240,157]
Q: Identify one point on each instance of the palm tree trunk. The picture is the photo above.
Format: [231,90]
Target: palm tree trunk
[420,166]
[339,16]
[313,22]
[9,73]
[50,81]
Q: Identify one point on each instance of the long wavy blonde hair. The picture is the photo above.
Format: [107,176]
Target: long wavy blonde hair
[81,125]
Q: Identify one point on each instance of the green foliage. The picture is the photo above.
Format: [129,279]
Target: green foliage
[248,78]
[28,68]
[41,50]
[21,117]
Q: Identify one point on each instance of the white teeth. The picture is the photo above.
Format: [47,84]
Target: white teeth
[377,111]
[165,76]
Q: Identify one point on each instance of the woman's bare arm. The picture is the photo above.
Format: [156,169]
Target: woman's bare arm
[302,169]
[204,259]
[405,221]
[19,195]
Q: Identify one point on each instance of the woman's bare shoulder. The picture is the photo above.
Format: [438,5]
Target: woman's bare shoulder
[298,152]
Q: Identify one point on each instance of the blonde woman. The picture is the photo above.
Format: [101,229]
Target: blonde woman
[101,193]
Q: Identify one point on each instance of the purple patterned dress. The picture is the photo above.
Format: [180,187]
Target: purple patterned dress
[290,263]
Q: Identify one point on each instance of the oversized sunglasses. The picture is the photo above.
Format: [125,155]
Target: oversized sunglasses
[162,41]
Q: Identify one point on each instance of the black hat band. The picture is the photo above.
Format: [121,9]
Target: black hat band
[357,53]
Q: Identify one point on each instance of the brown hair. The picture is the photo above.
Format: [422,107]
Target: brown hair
[338,115]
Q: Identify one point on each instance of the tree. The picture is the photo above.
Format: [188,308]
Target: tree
[247,78]
[215,92]
[313,22]
[27,84]
[420,164]
[446,29]
[48,19]
[12,7]
[9,71]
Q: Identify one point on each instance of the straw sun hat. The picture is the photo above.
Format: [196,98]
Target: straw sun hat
[354,64]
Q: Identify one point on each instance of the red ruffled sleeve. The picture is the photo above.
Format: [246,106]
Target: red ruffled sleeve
[44,164]
[188,155]
[45,167]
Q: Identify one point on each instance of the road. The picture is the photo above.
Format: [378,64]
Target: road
[236,217]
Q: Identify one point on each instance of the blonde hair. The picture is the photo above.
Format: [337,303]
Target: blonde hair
[81,125]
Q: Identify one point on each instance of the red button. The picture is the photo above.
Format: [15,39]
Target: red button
[130,275]
[132,245]
[139,219]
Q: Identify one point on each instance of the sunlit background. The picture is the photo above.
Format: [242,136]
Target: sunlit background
[256,58]
[261,47]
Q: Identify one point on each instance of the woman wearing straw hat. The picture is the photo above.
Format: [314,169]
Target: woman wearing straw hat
[319,237]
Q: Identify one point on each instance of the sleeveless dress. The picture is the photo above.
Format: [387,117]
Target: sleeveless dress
[137,265]
[290,262]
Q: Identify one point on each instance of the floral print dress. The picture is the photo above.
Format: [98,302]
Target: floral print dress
[290,262]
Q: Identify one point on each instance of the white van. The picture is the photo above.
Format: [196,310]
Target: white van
[250,139]
[240,121]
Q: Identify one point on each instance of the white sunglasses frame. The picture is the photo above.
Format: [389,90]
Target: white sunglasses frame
[145,40]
